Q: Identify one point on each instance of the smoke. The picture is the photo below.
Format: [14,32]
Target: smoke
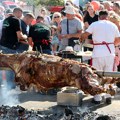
[83,109]
[8,96]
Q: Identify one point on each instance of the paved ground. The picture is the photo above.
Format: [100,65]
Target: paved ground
[36,101]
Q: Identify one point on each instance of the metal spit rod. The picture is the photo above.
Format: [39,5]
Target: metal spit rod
[101,73]
[108,74]
[5,68]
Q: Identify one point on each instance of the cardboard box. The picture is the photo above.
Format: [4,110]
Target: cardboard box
[69,98]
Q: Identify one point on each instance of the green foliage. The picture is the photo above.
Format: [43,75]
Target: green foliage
[56,2]
[45,2]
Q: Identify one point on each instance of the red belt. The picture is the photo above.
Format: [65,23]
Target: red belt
[43,41]
[104,43]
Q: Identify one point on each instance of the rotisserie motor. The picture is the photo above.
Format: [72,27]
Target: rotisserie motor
[48,71]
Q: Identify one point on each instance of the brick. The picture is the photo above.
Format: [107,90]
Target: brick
[69,98]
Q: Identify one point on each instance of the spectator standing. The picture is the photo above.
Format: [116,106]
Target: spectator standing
[71,27]
[101,7]
[67,3]
[2,11]
[78,12]
[55,40]
[47,19]
[105,33]
[108,5]
[89,17]
[115,18]
[116,8]
[56,19]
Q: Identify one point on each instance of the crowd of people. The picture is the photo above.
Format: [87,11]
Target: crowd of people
[53,33]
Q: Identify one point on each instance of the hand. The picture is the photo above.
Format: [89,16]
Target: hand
[51,37]
[25,36]
[67,36]
[80,39]
[60,36]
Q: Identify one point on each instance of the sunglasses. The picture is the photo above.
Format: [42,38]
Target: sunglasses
[56,16]
[66,4]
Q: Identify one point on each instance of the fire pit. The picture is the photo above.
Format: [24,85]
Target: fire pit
[20,113]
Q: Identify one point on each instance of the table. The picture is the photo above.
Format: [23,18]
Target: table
[82,56]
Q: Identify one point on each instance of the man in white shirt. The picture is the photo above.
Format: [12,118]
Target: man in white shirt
[104,34]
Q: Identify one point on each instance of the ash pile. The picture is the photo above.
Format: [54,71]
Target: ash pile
[20,113]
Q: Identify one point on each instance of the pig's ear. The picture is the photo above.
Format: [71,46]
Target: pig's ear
[75,69]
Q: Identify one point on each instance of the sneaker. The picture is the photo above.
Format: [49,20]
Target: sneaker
[96,102]
[118,90]
[118,84]
[103,117]
[52,92]
[108,100]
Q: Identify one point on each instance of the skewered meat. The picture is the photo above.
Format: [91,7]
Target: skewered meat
[48,71]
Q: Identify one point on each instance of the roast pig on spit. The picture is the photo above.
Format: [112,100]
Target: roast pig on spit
[47,71]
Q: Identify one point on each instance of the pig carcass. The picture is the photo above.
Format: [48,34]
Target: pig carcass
[48,71]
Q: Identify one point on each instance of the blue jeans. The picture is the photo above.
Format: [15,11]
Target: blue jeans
[21,48]
[47,51]
[6,50]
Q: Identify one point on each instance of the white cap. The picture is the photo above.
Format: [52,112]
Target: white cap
[69,48]
[69,10]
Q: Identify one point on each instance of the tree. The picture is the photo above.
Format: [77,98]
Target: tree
[46,2]
[56,2]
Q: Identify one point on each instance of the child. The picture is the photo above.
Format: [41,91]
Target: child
[55,40]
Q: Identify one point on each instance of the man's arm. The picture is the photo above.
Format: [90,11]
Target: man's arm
[117,41]
[30,41]
[84,36]
[86,25]
[76,35]
[20,36]
[17,28]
